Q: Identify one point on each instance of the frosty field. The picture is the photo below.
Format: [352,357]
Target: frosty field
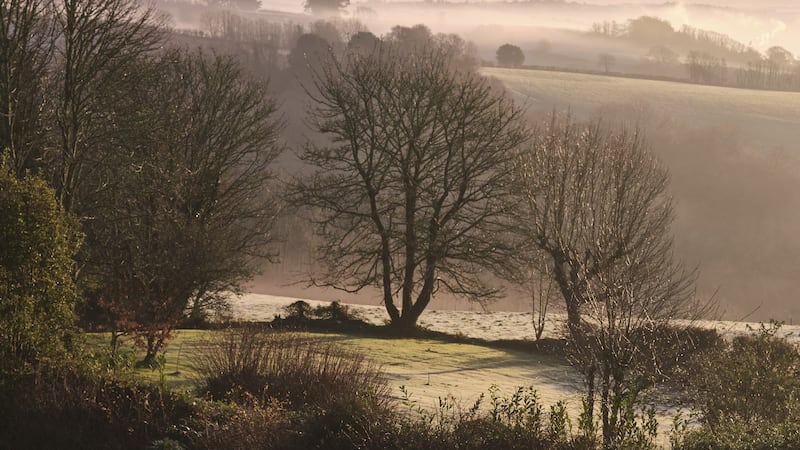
[430,369]
[767,117]
[433,369]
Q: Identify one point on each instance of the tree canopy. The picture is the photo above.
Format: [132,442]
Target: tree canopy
[325,7]
[509,55]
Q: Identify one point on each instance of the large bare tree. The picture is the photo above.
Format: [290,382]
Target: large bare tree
[96,42]
[408,191]
[189,213]
[594,202]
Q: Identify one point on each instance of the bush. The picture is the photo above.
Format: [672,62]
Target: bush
[288,367]
[256,425]
[335,312]
[37,294]
[740,434]
[746,394]
[515,422]
[299,310]
[74,407]
[754,378]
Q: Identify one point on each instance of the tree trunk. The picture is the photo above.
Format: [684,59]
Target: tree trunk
[388,302]
[153,345]
[115,334]
[587,421]
[608,428]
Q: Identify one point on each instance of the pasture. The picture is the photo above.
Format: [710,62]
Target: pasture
[764,115]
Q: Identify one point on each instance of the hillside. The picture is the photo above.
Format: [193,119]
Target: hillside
[735,166]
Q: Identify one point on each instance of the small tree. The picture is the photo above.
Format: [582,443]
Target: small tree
[510,56]
[542,290]
[408,190]
[37,293]
[753,379]
[594,202]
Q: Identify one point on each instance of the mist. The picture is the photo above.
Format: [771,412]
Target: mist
[769,24]
[735,165]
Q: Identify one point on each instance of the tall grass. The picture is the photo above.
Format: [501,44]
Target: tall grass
[286,366]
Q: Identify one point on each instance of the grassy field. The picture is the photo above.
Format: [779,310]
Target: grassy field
[764,115]
[428,369]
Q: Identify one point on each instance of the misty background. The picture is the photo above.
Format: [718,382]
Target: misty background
[733,154]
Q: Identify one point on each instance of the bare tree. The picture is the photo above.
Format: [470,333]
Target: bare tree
[595,202]
[543,290]
[26,44]
[408,195]
[190,209]
[97,41]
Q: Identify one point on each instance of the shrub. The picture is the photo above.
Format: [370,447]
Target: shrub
[754,378]
[299,310]
[740,434]
[37,294]
[335,312]
[256,425]
[746,394]
[74,407]
[510,422]
[288,367]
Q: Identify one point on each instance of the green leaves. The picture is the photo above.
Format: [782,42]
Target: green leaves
[37,293]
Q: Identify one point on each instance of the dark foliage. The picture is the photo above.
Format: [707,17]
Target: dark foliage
[509,55]
[77,408]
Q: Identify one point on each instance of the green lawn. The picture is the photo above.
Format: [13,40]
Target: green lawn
[429,369]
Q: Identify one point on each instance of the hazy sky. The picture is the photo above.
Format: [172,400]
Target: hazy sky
[759,24]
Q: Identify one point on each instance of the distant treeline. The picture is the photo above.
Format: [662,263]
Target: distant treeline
[270,45]
[709,57]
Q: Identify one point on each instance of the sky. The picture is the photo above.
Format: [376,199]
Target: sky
[759,24]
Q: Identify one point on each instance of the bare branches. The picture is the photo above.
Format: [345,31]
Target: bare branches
[96,42]
[190,206]
[409,191]
[594,203]
[26,45]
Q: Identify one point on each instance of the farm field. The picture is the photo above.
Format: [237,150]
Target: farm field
[766,115]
